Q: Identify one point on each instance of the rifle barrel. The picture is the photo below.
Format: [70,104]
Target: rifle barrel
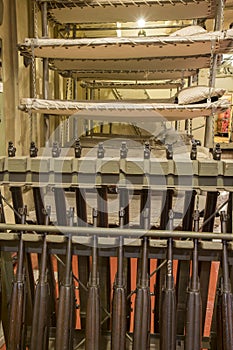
[225,305]
[42,310]
[16,335]
[93,301]
[119,302]
[168,301]
[141,339]
[66,306]
[193,325]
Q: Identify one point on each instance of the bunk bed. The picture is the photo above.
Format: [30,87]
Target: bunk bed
[126,11]
[133,47]
[119,111]
[124,53]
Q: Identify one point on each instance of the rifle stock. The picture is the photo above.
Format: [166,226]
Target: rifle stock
[141,339]
[42,310]
[193,328]
[225,298]
[17,331]
[168,300]
[119,302]
[66,307]
[93,301]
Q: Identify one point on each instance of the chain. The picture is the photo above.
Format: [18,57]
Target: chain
[61,131]
[68,96]
[30,126]
[35,10]
[190,127]
[222,13]
[34,92]
[34,72]
[178,125]
[213,42]
[213,125]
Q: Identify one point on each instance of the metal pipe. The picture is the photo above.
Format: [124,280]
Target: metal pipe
[44,12]
[114,232]
[208,141]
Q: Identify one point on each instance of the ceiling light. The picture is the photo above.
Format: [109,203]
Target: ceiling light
[141,23]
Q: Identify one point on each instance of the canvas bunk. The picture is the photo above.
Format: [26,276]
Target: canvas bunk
[118,110]
[128,10]
[167,84]
[132,47]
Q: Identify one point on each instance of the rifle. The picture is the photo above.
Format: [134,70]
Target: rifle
[83,261]
[119,301]
[93,301]
[141,339]
[17,327]
[124,203]
[205,266]
[193,328]
[160,275]
[225,298]
[168,300]
[183,267]
[7,276]
[104,262]
[43,217]
[42,307]
[66,307]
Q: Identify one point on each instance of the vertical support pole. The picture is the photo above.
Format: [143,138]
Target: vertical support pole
[8,34]
[208,140]
[45,69]
[54,132]
[75,120]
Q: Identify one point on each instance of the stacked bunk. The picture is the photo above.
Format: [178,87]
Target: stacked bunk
[178,56]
